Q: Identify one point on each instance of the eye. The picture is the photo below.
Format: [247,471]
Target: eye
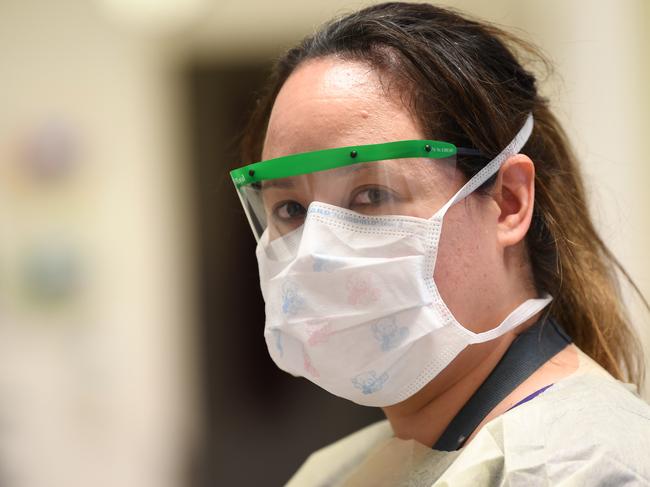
[289,210]
[371,196]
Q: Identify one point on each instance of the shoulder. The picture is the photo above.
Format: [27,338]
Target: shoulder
[597,428]
[588,429]
[602,407]
[331,464]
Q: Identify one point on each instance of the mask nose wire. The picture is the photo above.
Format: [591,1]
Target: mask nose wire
[515,145]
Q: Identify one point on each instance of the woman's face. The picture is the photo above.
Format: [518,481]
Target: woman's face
[329,103]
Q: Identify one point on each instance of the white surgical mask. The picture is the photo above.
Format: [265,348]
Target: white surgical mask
[352,305]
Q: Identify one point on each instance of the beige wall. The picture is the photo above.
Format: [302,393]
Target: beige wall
[98,389]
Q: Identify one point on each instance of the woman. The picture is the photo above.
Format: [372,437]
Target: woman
[425,246]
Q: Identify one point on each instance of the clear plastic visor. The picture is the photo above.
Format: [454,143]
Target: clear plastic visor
[415,187]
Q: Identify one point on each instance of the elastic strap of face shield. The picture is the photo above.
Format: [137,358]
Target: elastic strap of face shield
[491,167]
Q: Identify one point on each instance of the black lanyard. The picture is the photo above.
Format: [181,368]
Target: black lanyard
[526,354]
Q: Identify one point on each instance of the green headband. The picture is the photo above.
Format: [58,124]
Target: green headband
[309,162]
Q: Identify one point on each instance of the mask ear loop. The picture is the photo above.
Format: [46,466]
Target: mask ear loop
[491,167]
[531,306]
[519,315]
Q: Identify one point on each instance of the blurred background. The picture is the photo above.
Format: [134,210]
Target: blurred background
[131,347]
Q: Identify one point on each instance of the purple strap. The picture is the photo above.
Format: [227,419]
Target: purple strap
[531,396]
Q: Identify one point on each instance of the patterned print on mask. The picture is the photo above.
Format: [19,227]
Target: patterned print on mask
[318,332]
[361,289]
[390,335]
[368,382]
[324,264]
[309,368]
[277,336]
[292,301]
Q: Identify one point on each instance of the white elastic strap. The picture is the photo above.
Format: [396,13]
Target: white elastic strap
[521,313]
[493,166]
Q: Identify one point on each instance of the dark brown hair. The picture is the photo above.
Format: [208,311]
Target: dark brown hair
[463,83]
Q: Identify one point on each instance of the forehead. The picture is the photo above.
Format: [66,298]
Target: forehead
[329,103]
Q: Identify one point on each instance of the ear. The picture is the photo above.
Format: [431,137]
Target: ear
[514,193]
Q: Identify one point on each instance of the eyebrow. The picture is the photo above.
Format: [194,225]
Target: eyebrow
[286,183]
[277,183]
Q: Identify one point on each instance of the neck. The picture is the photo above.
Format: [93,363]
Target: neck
[425,416]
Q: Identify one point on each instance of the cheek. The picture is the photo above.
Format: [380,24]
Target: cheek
[466,266]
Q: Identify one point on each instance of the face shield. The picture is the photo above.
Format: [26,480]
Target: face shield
[347,248]
[406,178]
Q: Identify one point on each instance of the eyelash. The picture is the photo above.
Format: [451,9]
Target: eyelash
[282,204]
[386,194]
